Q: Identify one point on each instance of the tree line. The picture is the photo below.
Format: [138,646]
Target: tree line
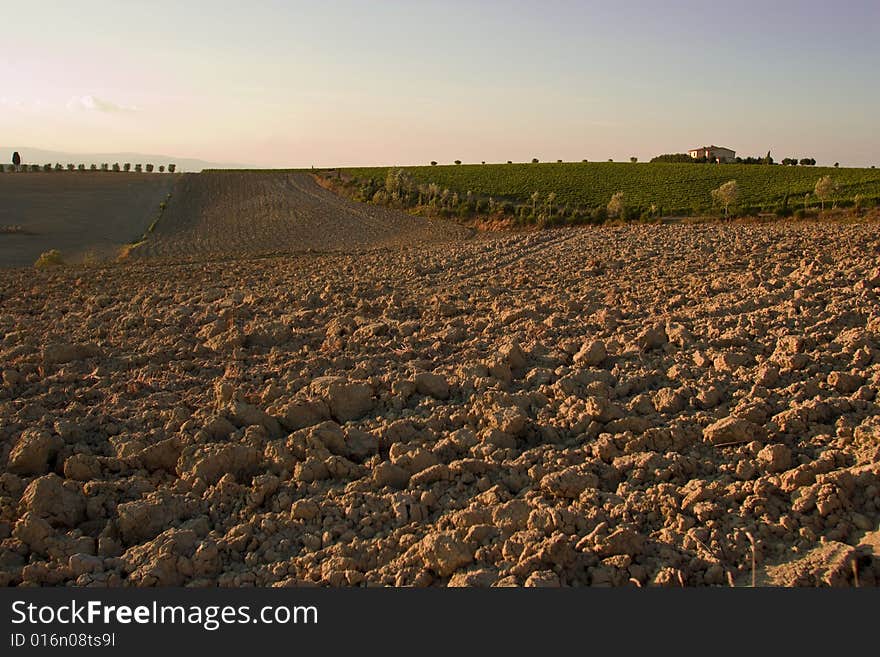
[680,158]
[683,158]
[18,166]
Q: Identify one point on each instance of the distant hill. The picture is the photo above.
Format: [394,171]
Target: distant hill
[41,156]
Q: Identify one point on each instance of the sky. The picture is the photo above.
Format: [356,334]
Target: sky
[291,83]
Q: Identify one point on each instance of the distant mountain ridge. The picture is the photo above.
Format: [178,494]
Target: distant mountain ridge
[42,156]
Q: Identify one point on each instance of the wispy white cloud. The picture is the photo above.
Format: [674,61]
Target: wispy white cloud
[91,103]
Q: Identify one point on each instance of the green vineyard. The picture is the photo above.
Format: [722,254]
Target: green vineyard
[675,188]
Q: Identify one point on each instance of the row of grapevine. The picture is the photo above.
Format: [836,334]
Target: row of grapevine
[678,188]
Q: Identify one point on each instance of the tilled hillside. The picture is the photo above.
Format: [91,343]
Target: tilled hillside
[643,405]
[221,214]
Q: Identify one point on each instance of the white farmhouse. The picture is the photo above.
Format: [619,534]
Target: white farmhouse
[713,153]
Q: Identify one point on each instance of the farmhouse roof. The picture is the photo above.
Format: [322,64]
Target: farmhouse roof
[703,148]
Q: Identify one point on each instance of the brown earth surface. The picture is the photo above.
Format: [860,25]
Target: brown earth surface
[640,405]
[83,214]
[219,214]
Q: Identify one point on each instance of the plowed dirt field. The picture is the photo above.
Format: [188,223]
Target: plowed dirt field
[635,405]
[223,214]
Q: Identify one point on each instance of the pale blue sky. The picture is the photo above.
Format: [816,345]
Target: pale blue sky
[306,83]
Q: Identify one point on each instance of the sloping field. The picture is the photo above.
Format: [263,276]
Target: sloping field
[75,212]
[674,187]
[254,213]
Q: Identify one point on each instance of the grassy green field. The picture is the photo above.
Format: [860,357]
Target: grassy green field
[677,188]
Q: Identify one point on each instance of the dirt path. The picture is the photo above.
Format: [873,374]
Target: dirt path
[238,214]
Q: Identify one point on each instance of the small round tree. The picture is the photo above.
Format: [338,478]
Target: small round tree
[138,168]
[535,197]
[149,168]
[116,166]
[617,205]
[825,189]
[534,160]
[161,168]
[171,168]
[458,161]
[726,195]
[127,166]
